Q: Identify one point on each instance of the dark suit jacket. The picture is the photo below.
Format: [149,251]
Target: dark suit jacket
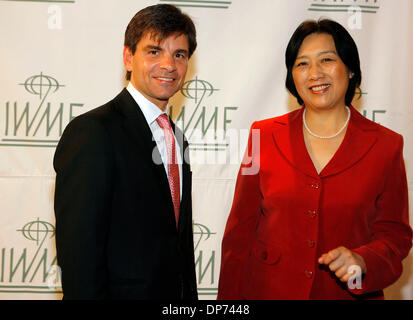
[286,215]
[116,236]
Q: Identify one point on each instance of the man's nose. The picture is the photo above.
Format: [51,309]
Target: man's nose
[168,62]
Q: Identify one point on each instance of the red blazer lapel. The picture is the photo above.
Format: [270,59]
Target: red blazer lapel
[289,140]
[359,139]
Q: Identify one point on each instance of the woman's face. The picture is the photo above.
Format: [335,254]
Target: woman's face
[320,76]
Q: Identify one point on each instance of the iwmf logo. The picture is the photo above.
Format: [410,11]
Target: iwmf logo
[31,269]
[354,8]
[37,122]
[208,127]
[199,4]
[204,126]
[205,260]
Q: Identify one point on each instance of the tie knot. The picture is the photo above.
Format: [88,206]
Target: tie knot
[163,121]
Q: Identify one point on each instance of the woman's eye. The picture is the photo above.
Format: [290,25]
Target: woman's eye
[326,59]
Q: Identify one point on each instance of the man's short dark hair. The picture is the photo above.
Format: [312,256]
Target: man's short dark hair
[162,20]
[345,46]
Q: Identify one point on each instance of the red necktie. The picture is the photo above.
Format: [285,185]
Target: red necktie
[173,169]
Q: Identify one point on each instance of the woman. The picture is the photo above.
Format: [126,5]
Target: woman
[326,216]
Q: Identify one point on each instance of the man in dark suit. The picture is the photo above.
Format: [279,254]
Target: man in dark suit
[123,185]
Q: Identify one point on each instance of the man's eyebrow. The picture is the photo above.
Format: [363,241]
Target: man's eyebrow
[153,47]
[182,51]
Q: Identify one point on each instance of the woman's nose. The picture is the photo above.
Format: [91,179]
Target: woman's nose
[315,71]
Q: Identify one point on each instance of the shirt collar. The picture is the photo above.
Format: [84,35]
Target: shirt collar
[149,109]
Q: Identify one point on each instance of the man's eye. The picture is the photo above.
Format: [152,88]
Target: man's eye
[180,55]
[153,52]
[301,64]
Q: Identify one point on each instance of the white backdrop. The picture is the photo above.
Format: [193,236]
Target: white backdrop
[59,59]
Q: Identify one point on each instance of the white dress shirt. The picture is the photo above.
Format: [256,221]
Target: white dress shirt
[151,113]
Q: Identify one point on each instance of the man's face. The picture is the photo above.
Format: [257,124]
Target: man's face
[158,68]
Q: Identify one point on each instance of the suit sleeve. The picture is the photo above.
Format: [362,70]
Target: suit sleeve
[191,285]
[190,256]
[241,224]
[392,234]
[82,206]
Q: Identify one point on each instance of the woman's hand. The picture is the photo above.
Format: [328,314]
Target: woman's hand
[340,260]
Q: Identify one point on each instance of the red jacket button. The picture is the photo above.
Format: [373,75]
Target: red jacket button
[311,243]
[311,213]
[264,255]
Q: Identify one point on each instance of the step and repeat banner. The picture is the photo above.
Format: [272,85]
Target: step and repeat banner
[59,59]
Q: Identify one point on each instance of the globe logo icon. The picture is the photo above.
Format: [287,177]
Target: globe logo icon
[37,231]
[197,89]
[201,233]
[360,93]
[41,85]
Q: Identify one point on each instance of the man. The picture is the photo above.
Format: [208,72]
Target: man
[123,190]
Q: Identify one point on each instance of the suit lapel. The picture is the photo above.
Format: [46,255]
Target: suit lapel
[289,140]
[135,123]
[136,126]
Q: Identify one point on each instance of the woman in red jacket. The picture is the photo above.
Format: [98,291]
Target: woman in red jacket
[326,214]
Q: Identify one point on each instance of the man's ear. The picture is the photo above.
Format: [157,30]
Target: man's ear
[127,58]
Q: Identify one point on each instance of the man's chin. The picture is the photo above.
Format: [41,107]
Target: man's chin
[166,95]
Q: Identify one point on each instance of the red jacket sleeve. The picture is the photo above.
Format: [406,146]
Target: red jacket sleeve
[391,232]
[242,221]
